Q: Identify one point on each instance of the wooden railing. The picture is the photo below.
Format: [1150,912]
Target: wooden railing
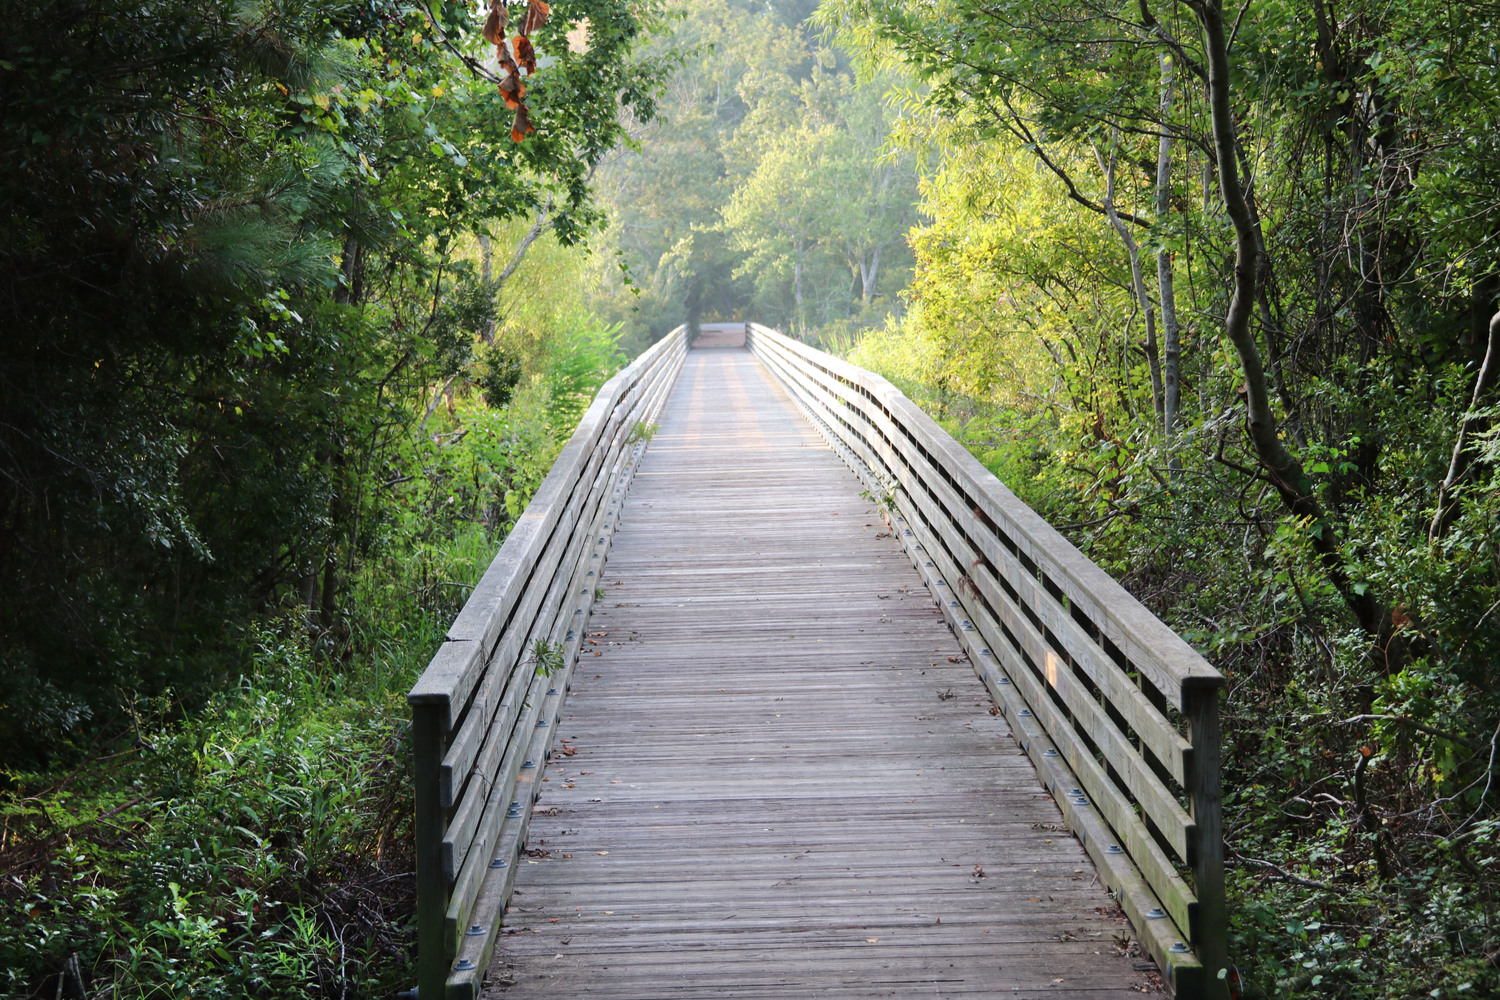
[484,711]
[1119,715]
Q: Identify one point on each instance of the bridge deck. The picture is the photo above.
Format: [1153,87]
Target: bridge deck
[784,779]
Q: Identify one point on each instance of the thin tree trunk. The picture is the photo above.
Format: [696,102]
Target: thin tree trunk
[1137,279]
[1463,452]
[868,274]
[494,284]
[1171,338]
[797,290]
[525,244]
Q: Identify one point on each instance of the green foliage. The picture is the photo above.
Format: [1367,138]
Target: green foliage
[255,848]
[589,355]
[766,191]
[1359,760]
[239,274]
[548,657]
[500,373]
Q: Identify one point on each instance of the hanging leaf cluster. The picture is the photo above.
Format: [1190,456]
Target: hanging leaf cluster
[515,55]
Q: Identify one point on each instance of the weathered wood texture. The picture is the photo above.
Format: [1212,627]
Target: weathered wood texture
[1099,689]
[484,711]
[780,776]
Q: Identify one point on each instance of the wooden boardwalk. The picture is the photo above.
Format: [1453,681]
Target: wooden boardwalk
[778,776]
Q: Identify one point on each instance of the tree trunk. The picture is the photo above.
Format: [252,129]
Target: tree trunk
[1137,280]
[797,290]
[868,275]
[1286,472]
[1171,339]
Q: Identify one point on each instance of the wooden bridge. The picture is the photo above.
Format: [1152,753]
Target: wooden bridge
[843,718]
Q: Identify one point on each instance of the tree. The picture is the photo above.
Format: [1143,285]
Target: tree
[236,273]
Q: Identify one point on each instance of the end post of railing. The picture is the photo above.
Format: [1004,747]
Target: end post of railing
[427,731]
[1201,706]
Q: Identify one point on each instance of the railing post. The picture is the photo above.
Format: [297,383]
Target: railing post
[432,890]
[1201,705]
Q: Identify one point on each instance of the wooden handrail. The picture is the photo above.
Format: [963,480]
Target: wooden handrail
[485,709]
[1118,713]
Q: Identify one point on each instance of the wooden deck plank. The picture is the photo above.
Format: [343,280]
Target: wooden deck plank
[784,778]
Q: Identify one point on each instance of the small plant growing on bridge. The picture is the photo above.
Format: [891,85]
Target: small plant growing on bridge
[642,431]
[884,497]
[548,656]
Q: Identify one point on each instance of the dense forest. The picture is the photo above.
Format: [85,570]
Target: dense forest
[297,305]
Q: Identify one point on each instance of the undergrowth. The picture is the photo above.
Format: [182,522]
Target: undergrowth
[253,838]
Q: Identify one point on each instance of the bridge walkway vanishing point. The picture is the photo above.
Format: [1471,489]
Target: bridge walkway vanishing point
[785,779]
[797,700]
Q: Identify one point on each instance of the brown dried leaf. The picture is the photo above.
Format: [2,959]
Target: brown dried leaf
[525,54]
[512,90]
[537,12]
[494,25]
[511,87]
